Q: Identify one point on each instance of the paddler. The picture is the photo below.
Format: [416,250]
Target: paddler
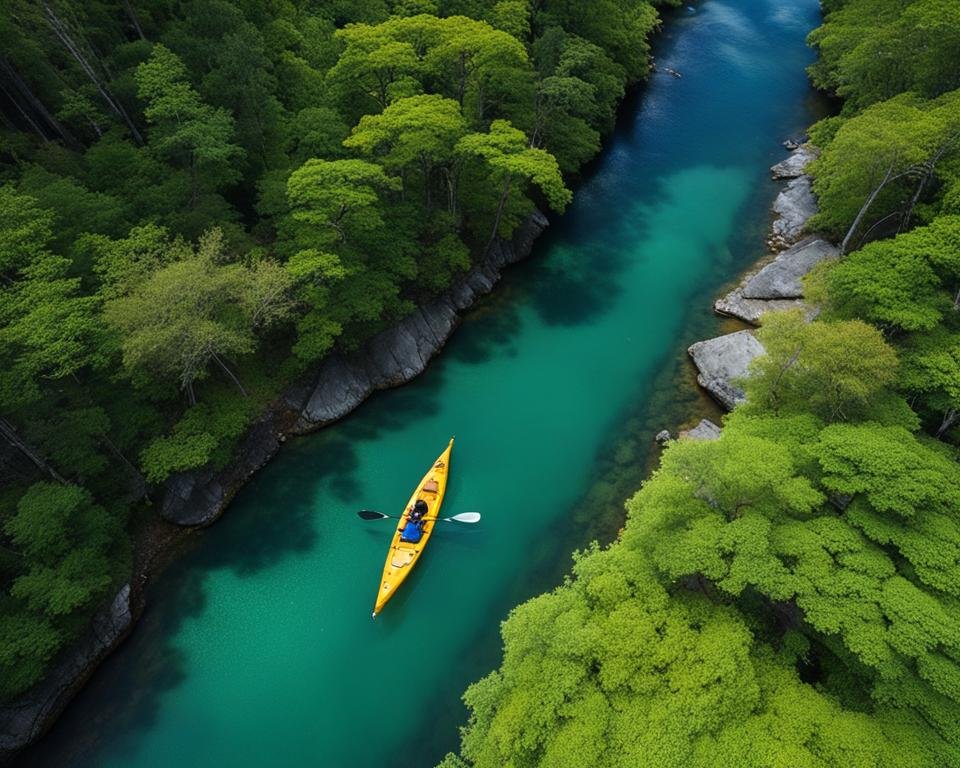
[413,530]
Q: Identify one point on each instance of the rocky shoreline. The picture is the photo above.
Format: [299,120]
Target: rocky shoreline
[774,284]
[341,383]
[197,498]
[394,357]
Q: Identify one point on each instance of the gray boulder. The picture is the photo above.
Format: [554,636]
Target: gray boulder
[26,718]
[782,277]
[795,164]
[705,430]
[777,286]
[794,206]
[401,353]
[723,360]
[734,304]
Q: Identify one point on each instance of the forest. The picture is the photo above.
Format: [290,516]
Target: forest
[201,199]
[789,595]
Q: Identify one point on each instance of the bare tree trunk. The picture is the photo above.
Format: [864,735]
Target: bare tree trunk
[876,224]
[864,208]
[496,221]
[949,419]
[449,177]
[62,32]
[141,481]
[462,85]
[956,300]
[28,119]
[191,397]
[35,104]
[775,389]
[132,15]
[230,373]
[428,198]
[7,430]
[930,167]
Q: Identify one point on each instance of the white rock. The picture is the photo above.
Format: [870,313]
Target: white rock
[793,206]
[795,164]
[783,277]
[751,310]
[723,360]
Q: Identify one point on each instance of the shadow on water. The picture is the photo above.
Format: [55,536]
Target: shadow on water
[489,330]
[148,664]
[580,287]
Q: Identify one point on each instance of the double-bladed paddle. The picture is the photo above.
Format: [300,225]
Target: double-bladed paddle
[463,517]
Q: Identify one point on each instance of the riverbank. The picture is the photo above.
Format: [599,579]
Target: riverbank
[773,284]
[198,498]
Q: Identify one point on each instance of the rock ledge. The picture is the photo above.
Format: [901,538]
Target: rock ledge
[26,718]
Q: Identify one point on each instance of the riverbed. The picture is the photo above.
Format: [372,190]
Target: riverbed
[257,647]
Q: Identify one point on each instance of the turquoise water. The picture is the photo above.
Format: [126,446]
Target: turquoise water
[257,648]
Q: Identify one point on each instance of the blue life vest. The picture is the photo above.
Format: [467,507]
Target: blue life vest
[411,532]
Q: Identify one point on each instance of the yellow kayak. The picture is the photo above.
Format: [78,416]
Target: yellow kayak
[403,555]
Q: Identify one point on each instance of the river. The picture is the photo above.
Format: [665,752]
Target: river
[257,647]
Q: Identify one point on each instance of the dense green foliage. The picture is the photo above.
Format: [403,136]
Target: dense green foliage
[199,200]
[789,595]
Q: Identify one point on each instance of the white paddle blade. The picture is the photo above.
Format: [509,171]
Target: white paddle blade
[467,517]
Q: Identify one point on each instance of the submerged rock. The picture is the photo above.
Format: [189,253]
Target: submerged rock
[705,430]
[663,437]
[794,206]
[795,164]
[723,360]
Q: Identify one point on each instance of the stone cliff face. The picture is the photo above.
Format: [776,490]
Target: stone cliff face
[198,498]
[23,720]
[342,382]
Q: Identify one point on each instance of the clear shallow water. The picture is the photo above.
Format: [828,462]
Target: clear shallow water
[257,648]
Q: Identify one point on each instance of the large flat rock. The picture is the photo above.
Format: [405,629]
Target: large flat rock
[795,164]
[794,206]
[778,285]
[735,304]
[783,277]
[723,360]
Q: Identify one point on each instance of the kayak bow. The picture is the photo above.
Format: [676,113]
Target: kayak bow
[403,555]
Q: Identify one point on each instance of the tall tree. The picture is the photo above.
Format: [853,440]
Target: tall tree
[417,133]
[189,133]
[511,165]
